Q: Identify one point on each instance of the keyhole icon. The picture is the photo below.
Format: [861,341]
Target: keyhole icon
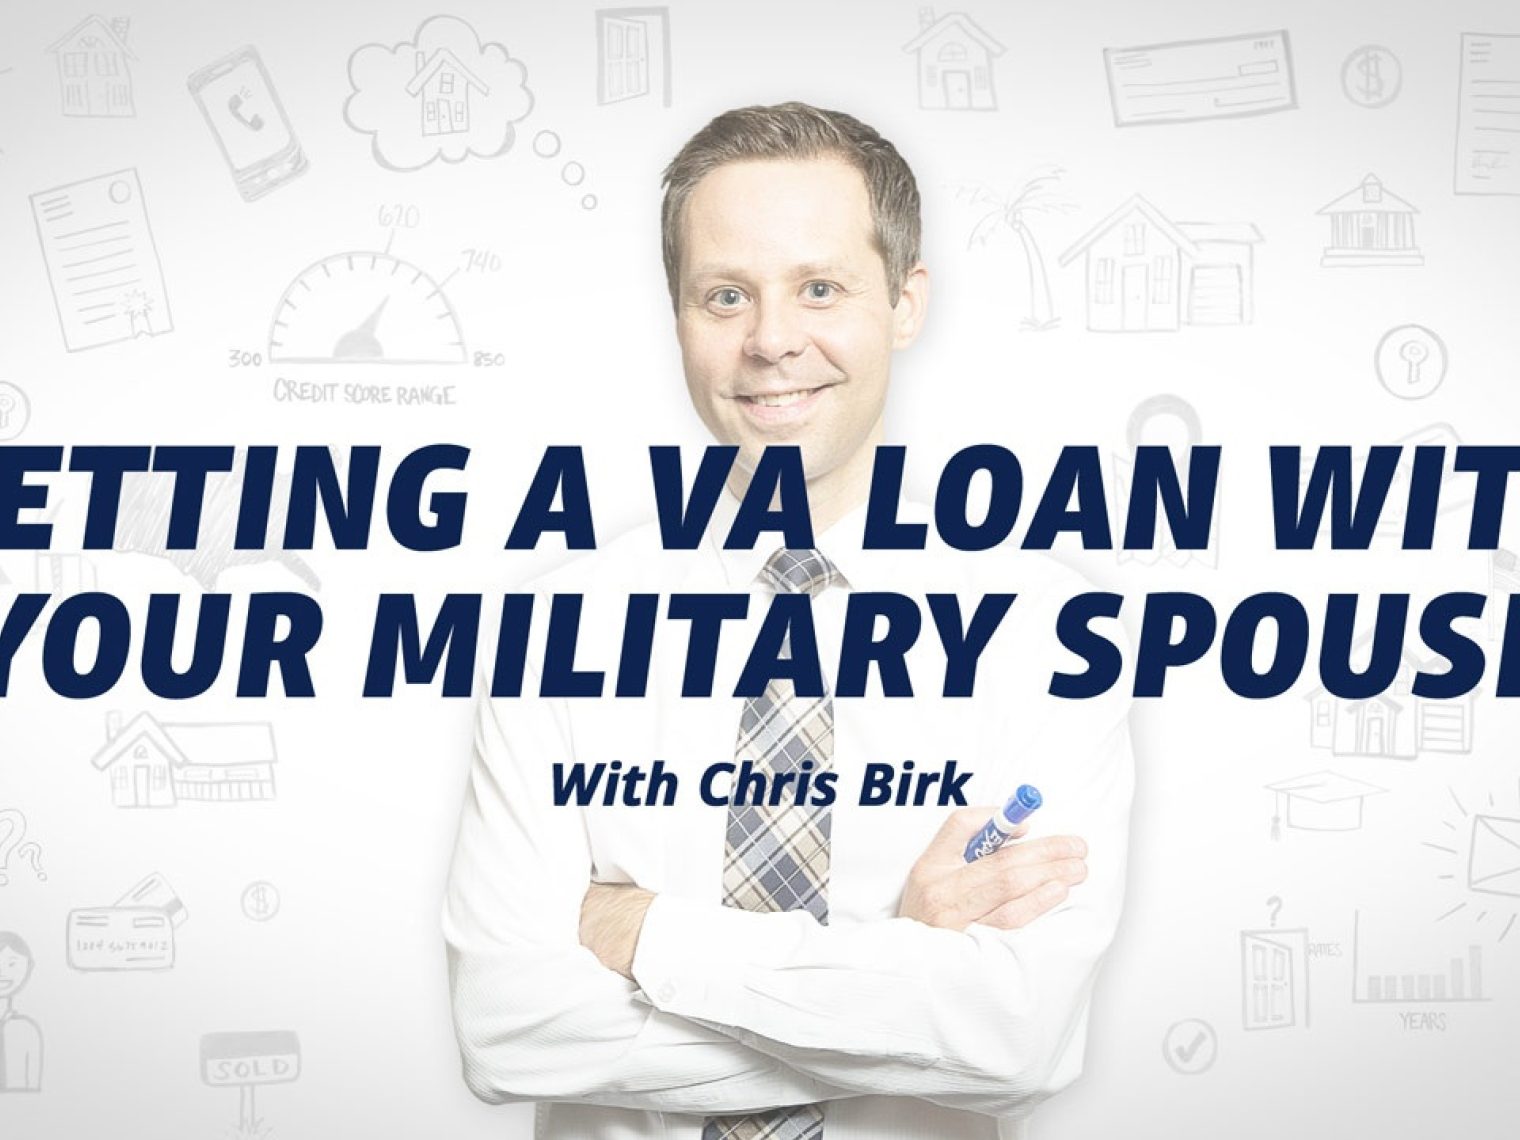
[1413,353]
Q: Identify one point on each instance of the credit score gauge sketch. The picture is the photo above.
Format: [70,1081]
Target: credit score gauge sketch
[365,308]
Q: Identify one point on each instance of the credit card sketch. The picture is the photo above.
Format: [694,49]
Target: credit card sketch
[102,263]
[238,100]
[155,892]
[1488,115]
[1183,82]
[120,938]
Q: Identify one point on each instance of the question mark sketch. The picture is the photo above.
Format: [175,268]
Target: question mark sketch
[31,852]
[1274,906]
[12,828]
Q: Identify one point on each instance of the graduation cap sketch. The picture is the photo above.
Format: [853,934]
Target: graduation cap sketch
[1493,863]
[1321,801]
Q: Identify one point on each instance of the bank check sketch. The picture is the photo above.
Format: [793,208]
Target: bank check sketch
[101,260]
[1488,115]
[1201,79]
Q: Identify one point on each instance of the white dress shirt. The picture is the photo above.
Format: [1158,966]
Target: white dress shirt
[904,1030]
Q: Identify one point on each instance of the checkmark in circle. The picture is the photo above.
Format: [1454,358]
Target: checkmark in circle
[1190,1047]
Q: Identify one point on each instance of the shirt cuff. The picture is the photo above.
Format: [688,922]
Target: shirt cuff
[770,975]
[692,957]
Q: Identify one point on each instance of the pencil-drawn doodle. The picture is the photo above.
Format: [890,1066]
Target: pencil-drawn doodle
[1370,226]
[101,260]
[1274,975]
[1146,273]
[366,308]
[1224,78]
[245,1061]
[1461,981]
[1411,361]
[955,63]
[442,94]
[1395,724]
[632,54]
[1009,213]
[13,842]
[134,933]
[1480,850]
[15,411]
[1488,115]
[158,765]
[20,1036]
[1371,76]
[94,68]
[143,526]
[1319,801]
[240,105]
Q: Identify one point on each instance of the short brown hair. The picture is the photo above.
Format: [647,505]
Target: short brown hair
[799,131]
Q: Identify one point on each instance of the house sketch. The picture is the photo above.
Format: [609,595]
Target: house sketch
[157,765]
[93,72]
[954,63]
[443,84]
[1395,723]
[1146,273]
[1370,226]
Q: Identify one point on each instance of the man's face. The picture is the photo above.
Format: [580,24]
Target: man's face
[784,316]
[14,968]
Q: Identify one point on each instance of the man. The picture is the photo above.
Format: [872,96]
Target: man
[788,969]
[20,1039]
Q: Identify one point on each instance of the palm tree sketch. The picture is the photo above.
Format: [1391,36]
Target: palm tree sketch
[1009,212]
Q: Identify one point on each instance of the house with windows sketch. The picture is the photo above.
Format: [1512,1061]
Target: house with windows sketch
[954,63]
[1395,723]
[157,765]
[1147,273]
[443,84]
[93,69]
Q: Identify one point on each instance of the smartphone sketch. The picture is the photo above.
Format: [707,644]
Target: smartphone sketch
[244,113]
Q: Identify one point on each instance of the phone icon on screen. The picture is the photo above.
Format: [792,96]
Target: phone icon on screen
[243,110]
[255,121]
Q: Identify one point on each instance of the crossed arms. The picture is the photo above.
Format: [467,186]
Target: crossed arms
[974,997]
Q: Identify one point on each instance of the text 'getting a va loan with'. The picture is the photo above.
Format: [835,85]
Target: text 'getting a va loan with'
[338,495]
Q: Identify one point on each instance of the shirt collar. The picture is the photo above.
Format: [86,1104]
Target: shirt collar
[842,542]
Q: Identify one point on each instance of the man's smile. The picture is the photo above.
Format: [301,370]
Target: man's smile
[780,406]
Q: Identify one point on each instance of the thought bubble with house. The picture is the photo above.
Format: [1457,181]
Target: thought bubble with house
[443,94]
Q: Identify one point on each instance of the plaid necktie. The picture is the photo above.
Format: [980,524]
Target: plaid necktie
[777,858]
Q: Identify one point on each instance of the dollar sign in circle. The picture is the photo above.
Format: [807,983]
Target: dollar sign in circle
[1371,76]
[261,901]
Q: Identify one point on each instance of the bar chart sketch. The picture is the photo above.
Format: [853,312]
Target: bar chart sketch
[1460,981]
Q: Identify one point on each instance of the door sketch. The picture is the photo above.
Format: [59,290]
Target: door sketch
[1135,298]
[1269,984]
[957,88]
[1373,746]
[633,54]
[625,59]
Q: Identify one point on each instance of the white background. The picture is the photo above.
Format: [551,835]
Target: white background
[358,839]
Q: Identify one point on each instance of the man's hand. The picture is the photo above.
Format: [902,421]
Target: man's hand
[1008,889]
[612,915]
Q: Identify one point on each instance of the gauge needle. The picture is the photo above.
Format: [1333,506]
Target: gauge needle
[360,343]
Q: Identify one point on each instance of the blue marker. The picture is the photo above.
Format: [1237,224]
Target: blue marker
[1019,807]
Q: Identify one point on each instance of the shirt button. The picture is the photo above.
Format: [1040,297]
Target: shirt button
[666,992]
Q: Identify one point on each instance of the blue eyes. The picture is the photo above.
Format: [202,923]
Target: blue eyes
[731,298]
